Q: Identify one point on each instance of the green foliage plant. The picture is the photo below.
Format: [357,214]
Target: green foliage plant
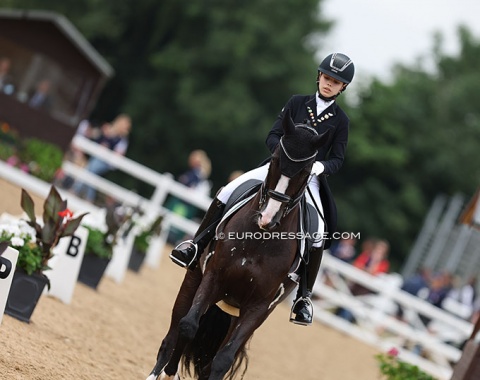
[98,244]
[101,242]
[43,158]
[35,240]
[142,240]
[20,236]
[57,222]
[392,368]
[8,136]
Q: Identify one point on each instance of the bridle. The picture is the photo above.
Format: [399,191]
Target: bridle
[281,197]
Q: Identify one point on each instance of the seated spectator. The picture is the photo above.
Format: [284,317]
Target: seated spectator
[197,175]
[41,98]
[373,260]
[376,260]
[413,285]
[114,136]
[439,286]
[7,86]
[344,249]
[235,174]
[460,299]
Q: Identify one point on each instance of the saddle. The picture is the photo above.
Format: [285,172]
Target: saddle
[309,219]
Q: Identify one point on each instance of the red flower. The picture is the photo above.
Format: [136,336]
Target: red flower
[65,213]
[393,352]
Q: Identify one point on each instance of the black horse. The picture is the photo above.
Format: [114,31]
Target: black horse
[245,273]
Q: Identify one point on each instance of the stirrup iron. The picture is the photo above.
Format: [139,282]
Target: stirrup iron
[293,312]
[185,245]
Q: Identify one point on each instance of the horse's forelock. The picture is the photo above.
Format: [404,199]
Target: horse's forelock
[298,144]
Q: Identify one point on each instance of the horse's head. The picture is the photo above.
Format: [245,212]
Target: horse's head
[289,171]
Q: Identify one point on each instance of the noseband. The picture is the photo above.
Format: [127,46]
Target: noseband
[278,196]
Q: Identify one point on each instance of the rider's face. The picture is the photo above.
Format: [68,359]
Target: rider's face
[329,86]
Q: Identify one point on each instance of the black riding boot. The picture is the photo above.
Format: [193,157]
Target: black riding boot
[302,310]
[188,255]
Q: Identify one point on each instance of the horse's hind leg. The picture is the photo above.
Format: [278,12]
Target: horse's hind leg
[182,304]
[249,320]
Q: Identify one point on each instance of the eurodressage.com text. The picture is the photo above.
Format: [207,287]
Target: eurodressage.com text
[265,235]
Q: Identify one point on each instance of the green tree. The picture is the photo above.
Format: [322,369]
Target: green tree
[410,140]
[201,74]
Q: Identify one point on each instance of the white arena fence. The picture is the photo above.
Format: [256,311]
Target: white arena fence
[375,317]
[163,185]
[374,313]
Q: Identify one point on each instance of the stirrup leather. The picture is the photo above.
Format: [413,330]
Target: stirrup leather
[294,311]
[183,246]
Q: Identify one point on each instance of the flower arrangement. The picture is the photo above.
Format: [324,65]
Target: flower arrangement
[34,241]
[394,369]
[19,235]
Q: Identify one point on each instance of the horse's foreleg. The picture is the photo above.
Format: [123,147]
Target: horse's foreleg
[182,304]
[188,325]
[163,376]
[247,323]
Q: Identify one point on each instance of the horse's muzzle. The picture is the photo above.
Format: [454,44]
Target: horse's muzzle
[274,223]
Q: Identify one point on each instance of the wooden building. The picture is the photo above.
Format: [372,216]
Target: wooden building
[50,76]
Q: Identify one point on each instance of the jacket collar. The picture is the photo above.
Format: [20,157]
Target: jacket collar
[311,107]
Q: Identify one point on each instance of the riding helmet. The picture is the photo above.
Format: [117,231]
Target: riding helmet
[338,66]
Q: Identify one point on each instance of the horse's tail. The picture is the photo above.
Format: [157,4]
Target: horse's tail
[199,353]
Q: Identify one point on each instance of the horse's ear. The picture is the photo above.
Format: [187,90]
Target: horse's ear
[320,140]
[287,123]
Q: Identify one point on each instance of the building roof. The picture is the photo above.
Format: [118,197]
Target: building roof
[67,28]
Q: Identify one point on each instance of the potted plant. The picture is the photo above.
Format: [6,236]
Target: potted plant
[99,248]
[392,368]
[34,242]
[141,243]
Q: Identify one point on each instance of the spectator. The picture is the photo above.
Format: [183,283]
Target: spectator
[418,281]
[199,170]
[374,260]
[460,300]
[235,174]
[6,80]
[413,285]
[345,249]
[196,177]
[114,136]
[436,292]
[41,98]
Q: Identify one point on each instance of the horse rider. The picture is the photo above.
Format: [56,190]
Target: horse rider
[322,113]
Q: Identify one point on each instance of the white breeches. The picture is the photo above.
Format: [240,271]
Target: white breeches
[260,173]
